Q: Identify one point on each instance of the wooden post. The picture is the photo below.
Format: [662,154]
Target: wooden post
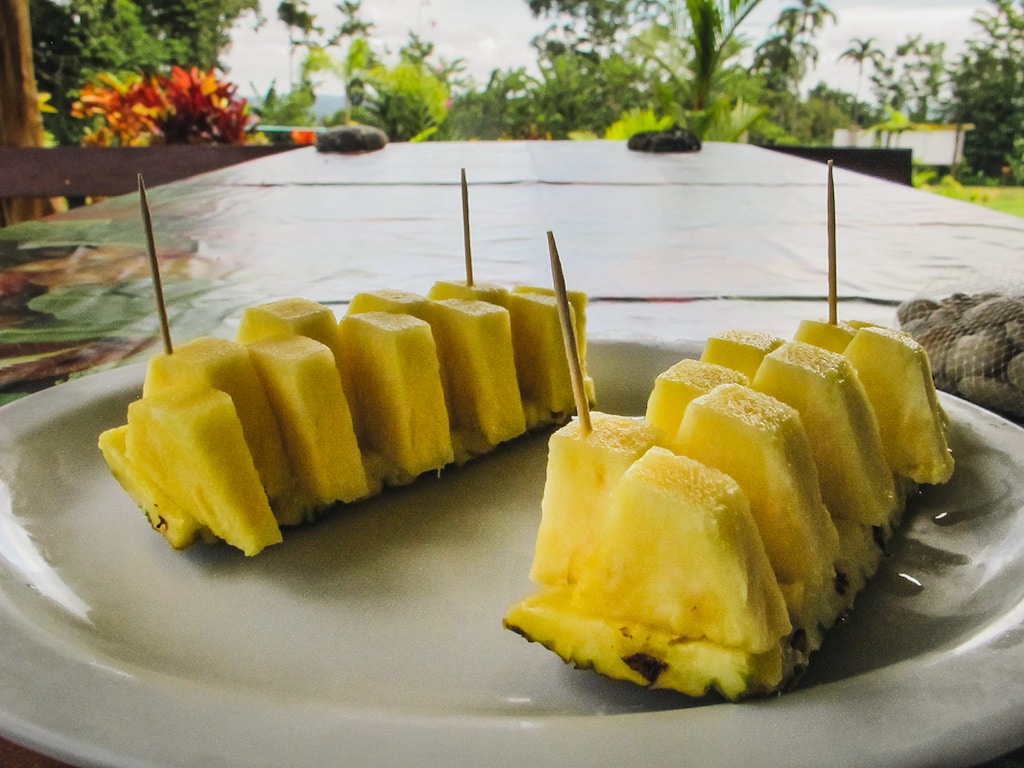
[21,122]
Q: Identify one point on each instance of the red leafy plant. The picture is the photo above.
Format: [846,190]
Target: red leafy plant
[186,107]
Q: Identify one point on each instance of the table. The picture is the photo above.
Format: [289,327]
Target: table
[667,246]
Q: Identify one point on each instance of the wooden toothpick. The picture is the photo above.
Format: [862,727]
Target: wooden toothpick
[833,314]
[569,338]
[465,229]
[154,268]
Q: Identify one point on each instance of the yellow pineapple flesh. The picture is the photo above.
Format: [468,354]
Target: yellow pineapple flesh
[676,387]
[290,317]
[388,300]
[856,481]
[740,349]
[225,365]
[460,289]
[678,592]
[542,369]
[189,440]
[578,300]
[302,382]
[897,378]
[582,470]
[478,372]
[831,336]
[391,375]
[761,443]
[165,514]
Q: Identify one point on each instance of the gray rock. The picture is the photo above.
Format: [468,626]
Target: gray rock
[351,138]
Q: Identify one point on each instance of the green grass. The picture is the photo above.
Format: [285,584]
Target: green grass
[1005,199]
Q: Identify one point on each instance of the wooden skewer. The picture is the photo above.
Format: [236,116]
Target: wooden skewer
[833,314]
[465,230]
[154,268]
[569,338]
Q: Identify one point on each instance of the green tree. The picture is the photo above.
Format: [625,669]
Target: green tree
[74,40]
[912,80]
[862,52]
[988,87]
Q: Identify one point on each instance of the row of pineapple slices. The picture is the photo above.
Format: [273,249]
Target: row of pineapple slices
[710,545]
[233,439]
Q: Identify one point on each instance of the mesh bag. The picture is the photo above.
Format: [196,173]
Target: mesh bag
[976,345]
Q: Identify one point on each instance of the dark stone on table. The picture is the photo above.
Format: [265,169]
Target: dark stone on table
[351,138]
[676,140]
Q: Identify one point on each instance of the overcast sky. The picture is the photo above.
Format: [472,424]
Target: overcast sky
[491,34]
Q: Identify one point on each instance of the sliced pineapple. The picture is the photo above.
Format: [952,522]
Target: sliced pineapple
[392,378]
[190,441]
[225,365]
[579,301]
[388,300]
[740,349]
[478,371]
[831,336]
[761,443]
[582,470]
[301,379]
[856,481]
[459,289]
[541,366]
[678,592]
[290,317]
[676,387]
[165,514]
[897,378]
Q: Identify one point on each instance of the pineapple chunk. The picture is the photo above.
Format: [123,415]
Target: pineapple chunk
[578,301]
[678,592]
[392,377]
[458,289]
[165,515]
[541,367]
[226,366]
[301,379]
[290,317]
[582,470]
[388,300]
[676,387]
[856,482]
[831,336]
[478,372]
[761,443]
[740,350]
[188,438]
[897,378]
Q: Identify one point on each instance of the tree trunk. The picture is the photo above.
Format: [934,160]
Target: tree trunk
[21,123]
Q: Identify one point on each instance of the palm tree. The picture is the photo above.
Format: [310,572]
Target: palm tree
[862,51]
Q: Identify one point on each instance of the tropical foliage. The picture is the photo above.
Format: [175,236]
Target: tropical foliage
[603,68]
[186,107]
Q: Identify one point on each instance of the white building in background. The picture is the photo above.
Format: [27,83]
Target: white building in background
[931,144]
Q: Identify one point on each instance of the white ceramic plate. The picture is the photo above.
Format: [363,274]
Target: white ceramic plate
[375,637]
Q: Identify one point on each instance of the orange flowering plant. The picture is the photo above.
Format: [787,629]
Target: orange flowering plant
[186,107]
